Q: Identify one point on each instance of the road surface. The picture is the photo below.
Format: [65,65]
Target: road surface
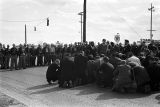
[29,86]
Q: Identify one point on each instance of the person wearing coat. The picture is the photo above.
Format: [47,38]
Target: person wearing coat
[122,77]
[142,79]
[53,71]
[105,73]
[80,68]
[133,58]
[115,60]
[67,74]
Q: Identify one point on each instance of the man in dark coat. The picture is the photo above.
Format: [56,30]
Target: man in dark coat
[33,56]
[80,67]
[53,71]
[142,79]
[14,53]
[106,73]
[39,56]
[127,47]
[22,57]
[67,72]
[7,57]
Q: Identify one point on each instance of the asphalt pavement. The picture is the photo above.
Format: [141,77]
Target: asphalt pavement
[29,86]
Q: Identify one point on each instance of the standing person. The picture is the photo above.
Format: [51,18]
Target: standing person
[52,53]
[1,56]
[103,47]
[22,57]
[134,48]
[14,53]
[39,56]
[28,55]
[127,47]
[33,56]
[7,57]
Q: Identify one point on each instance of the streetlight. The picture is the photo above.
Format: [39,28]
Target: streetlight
[81,14]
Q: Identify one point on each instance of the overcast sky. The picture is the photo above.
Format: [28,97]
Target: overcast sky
[105,18]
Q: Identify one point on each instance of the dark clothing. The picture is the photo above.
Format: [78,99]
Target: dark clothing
[80,67]
[127,49]
[52,73]
[115,61]
[13,51]
[66,70]
[106,74]
[141,75]
[39,56]
[14,54]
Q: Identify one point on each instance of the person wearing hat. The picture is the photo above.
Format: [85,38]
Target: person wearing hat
[127,47]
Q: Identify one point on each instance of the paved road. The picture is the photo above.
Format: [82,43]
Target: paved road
[29,86]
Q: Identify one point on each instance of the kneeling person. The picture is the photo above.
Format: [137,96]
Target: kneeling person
[53,71]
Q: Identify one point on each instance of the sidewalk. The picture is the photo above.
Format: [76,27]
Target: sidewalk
[6,101]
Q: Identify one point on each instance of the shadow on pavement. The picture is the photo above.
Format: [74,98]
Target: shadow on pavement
[47,90]
[106,93]
[41,86]
[111,95]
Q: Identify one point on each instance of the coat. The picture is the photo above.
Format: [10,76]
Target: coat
[52,72]
[67,68]
[106,70]
[122,75]
[141,75]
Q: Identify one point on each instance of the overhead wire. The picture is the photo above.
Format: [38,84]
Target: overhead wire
[125,20]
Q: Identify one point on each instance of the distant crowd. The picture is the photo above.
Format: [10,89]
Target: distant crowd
[108,64]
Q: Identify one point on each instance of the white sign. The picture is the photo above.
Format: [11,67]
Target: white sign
[117,38]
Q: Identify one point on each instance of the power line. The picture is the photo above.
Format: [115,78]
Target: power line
[22,20]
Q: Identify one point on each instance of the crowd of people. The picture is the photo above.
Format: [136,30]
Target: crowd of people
[121,67]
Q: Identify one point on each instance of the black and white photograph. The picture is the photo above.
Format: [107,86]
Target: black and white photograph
[79,53]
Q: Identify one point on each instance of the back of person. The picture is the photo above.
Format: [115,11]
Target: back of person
[52,73]
[106,74]
[134,59]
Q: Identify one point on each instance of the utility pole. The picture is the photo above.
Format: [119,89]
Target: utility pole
[84,20]
[81,13]
[151,30]
[25,34]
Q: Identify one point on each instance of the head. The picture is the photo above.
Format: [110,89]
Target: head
[57,61]
[14,45]
[123,62]
[130,54]
[126,42]
[103,40]
[7,46]
[106,59]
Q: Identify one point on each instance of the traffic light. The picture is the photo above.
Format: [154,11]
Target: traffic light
[47,21]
